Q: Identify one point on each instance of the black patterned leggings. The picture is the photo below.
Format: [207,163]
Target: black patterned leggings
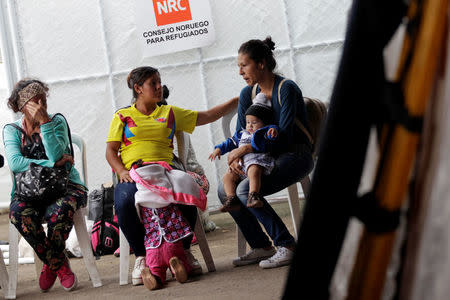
[28,217]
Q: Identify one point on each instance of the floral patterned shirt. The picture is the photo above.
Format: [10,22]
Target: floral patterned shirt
[165,222]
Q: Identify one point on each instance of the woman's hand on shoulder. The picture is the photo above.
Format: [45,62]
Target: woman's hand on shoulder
[124,176]
[216,112]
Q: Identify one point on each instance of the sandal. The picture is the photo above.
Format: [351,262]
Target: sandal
[231,203]
[254,200]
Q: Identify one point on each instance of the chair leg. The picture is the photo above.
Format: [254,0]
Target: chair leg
[86,248]
[306,184]
[294,205]
[13,262]
[4,278]
[37,265]
[124,259]
[242,243]
[203,244]
[294,202]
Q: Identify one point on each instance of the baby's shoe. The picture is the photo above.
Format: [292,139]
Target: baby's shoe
[178,269]
[254,200]
[150,281]
[231,203]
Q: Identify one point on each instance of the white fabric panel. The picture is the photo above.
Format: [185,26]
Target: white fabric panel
[88,110]
[312,22]
[61,40]
[238,21]
[5,117]
[317,71]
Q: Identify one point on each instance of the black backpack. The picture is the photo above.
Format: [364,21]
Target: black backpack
[105,232]
[105,237]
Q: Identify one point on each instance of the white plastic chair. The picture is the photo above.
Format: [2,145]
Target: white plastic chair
[199,232]
[4,278]
[293,197]
[80,229]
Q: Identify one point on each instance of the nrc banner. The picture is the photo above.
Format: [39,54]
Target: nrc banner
[166,26]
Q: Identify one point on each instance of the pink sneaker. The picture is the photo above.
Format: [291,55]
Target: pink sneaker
[67,278]
[47,278]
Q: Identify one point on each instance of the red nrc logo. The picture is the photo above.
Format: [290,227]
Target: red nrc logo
[171,11]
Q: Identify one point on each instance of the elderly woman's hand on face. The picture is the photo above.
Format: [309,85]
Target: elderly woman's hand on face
[37,110]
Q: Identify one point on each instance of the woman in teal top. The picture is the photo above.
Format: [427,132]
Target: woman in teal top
[40,138]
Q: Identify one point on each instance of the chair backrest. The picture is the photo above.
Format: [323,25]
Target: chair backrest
[226,123]
[182,145]
[79,142]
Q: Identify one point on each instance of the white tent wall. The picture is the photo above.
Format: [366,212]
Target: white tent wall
[5,117]
[85,49]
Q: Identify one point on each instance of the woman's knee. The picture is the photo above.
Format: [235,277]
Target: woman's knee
[124,196]
[16,211]
[242,190]
[294,165]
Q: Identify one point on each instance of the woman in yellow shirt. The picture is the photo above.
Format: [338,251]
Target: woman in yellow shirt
[145,131]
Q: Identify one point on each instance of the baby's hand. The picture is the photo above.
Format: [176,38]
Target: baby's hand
[216,153]
[272,133]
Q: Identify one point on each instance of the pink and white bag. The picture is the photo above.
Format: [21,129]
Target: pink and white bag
[158,185]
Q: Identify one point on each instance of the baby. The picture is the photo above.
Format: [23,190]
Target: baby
[164,229]
[257,117]
[160,192]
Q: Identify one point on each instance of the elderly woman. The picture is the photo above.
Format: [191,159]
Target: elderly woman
[145,131]
[42,139]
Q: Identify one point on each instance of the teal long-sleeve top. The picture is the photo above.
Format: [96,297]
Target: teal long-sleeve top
[55,138]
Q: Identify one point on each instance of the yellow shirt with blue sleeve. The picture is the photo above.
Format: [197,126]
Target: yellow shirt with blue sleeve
[149,138]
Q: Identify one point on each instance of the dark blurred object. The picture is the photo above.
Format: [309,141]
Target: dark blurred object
[324,222]
[100,204]
[2,161]
[165,95]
